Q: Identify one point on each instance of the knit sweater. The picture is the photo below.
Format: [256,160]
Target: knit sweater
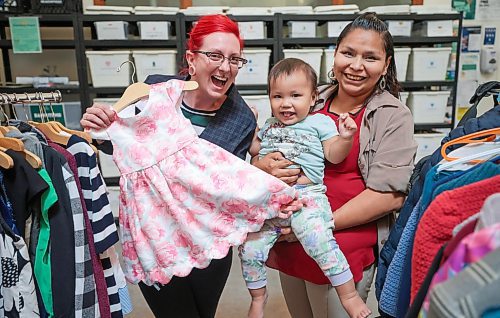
[436,226]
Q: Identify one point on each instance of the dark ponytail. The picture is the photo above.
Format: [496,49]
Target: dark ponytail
[370,22]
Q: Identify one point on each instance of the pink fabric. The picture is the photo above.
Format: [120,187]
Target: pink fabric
[470,250]
[183,200]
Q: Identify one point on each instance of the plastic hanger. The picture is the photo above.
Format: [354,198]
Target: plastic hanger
[489,136]
[139,90]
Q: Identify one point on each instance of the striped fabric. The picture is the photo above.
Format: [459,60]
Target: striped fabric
[95,194]
[99,209]
[198,118]
[86,304]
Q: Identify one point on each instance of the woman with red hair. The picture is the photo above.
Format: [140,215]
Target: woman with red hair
[219,115]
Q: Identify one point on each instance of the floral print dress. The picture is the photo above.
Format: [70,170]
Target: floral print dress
[183,200]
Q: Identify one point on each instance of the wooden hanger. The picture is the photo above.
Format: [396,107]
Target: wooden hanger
[137,91]
[60,127]
[4,130]
[50,132]
[489,134]
[6,161]
[18,146]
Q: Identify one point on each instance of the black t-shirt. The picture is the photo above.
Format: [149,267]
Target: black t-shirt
[24,187]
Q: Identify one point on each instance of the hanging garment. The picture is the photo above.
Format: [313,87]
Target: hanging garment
[86,302]
[17,289]
[6,207]
[62,240]
[471,292]
[395,295]
[105,234]
[486,121]
[42,263]
[24,188]
[444,213]
[473,248]
[183,200]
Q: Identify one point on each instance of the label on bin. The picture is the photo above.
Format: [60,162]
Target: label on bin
[54,112]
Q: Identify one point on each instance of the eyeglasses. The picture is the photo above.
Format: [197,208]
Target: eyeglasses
[219,58]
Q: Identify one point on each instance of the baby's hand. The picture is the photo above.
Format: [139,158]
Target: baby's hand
[254,111]
[347,126]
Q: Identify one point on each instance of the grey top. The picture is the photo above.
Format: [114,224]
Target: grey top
[30,141]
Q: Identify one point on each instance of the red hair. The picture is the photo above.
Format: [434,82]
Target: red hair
[210,24]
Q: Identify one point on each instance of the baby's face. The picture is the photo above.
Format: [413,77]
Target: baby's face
[291,97]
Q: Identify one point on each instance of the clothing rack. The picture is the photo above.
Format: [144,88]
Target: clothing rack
[27,98]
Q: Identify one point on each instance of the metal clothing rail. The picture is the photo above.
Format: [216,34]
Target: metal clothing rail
[28,98]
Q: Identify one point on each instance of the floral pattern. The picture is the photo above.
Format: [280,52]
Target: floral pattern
[184,201]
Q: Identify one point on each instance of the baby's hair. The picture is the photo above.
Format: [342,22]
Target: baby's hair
[289,66]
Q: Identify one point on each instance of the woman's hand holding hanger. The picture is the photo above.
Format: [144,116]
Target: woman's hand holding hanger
[98,117]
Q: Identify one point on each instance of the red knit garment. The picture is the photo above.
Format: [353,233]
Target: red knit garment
[435,228]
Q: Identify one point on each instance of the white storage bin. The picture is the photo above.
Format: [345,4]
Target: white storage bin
[400,27]
[401,56]
[111,30]
[435,28]
[262,104]
[337,9]
[154,62]
[326,64]
[249,11]
[428,64]
[108,166]
[154,30]
[252,30]
[204,10]
[114,199]
[335,27]
[256,70]
[155,10]
[105,100]
[432,9]
[103,65]
[427,144]
[293,10]
[311,56]
[388,9]
[404,97]
[428,107]
[302,29]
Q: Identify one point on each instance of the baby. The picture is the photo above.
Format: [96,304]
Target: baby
[306,139]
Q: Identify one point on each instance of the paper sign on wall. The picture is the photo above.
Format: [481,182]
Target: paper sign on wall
[25,33]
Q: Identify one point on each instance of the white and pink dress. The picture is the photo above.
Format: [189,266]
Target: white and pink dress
[183,200]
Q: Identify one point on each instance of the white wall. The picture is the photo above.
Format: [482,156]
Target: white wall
[483,77]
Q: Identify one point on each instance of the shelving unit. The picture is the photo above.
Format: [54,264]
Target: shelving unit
[270,42]
[136,43]
[181,25]
[399,41]
[46,20]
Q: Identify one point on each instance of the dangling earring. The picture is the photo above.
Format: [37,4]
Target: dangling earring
[332,77]
[191,70]
[382,83]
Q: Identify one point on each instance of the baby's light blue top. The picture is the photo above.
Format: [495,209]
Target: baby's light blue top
[300,142]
